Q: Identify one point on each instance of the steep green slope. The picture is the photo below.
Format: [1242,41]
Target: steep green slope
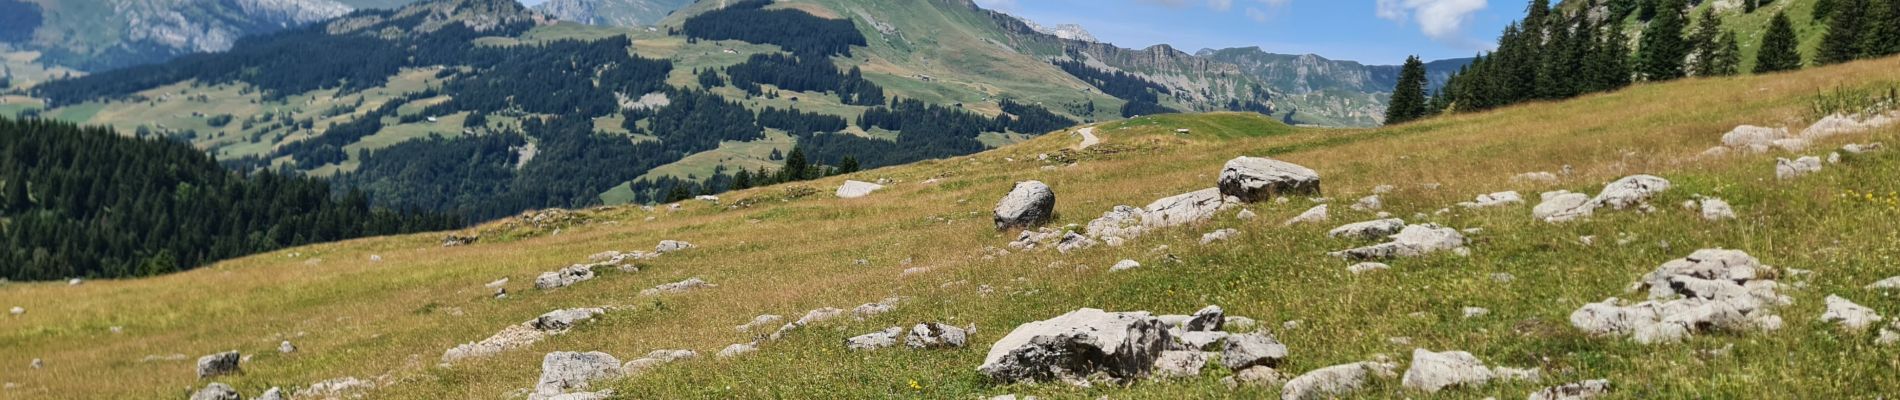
[787,249]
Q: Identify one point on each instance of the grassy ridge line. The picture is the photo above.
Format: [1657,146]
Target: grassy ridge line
[369,319]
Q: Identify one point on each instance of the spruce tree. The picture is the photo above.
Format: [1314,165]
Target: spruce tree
[795,167]
[1408,98]
[1822,8]
[1728,56]
[1842,41]
[1614,61]
[1707,41]
[1880,29]
[1662,50]
[1778,47]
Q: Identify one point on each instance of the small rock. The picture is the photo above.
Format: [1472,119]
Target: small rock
[737,349]
[1790,169]
[759,321]
[1335,380]
[273,393]
[1368,230]
[1257,376]
[1434,371]
[1494,200]
[219,364]
[286,347]
[566,371]
[1714,209]
[1365,267]
[561,320]
[1252,349]
[1368,203]
[669,246]
[678,287]
[216,391]
[37,363]
[1853,317]
[1474,312]
[1246,215]
[856,189]
[931,335]
[1029,203]
[656,358]
[1219,236]
[1124,265]
[1207,319]
[17,310]
[1576,391]
[874,340]
[1891,283]
[1413,241]
[1076,345]
[1317,214]
[1502,277]
[1179,364]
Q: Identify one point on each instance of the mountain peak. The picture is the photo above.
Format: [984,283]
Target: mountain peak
[1065,31]
[428,16]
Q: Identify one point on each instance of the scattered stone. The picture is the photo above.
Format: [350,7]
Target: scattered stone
[1434,371]
[868,310]
[286,347]
[274,393]
[1030,203]
[219,364]
[1474,312]
[1246,215]
[931,335]
[759,322]
[1179,364]
[1118,225]
[561,320]
[1124,265]
[1562,205]
[1365,267]
[1790,169]
[669,246]
[1711,289]
[564,277]
[1503,277]
[566,371]
[216,391]
[1753,138]
[1413,241]
[334,388]
[1368,230]
[1714,209]
[874,340]
[1892,283]
[497,284]
[1241,324]
[1317,214]
[1853,317]
[1219,236]
[1631,191]
[1535,177]
[1585,390]
[1076,345]
[1072,241]
[1246,350]
[17,310]
[737,349]
[687,285]
[811,317]
[1516,374]
[1186,208]
[1336,380]
[512,337]
[1257,179]
[1199,341]
[856,189]
[656,358]
[1494,200]
[38,363]
[1368,203]
[1257,376]
[1834,157]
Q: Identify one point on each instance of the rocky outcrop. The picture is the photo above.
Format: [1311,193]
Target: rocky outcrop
[1187,208]
[565,371]
[1710,290]
[931,335]
[1585,390]
[561,320]
[1257,179]
[1252,349]
[564,277]
[1790,169]
[1368,230]
[1071,347]
[1412,241]
[684,286]
[216,391]
[1336,380]
[1434,371]
[1028,204]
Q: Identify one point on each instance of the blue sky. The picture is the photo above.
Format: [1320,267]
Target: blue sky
[1369,31]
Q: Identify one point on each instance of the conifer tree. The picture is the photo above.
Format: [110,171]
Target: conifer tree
[1842,41]
[1707,41]
[1408,99]
[795,167]
[1728,56]
[1880,30]
[1613,61]
[1778,47]
[1662,50]
[1821,9]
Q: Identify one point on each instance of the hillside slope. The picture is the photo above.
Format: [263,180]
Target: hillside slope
[384,310]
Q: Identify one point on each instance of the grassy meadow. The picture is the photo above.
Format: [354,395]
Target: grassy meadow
[787,250]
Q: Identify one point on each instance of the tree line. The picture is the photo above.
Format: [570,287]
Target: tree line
[800,33]
[88,202]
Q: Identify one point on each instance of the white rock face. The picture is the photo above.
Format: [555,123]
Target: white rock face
[1179,364]
[564,277]
[1432,372]
[1029,203]
[1187,208]
[1576,391]
[1336,380]
[1852,317]
[1413,241]
[1790,169]
[1711,289]
[1368,230]
[1257,179]
[566,371]
[1317,214]
[1252,349]
[1075,345]
[856,189]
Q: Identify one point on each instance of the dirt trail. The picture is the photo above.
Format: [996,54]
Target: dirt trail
[1088,138]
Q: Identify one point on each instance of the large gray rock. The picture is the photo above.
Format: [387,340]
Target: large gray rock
[1413,241]
[1585,390]
[1335,380]
[1118,225]
[564,277]
[684,286]
[272,394]
[566,371]
[1368,230]
[1561,206]
[874,340]
[1709,290]
[931,335]
[1247,350]
[1186,208]
[219,364]
[1790,169]
[1257,179]
[1122,345]
[216,391]
[1434,371]
[1207,319]
[856,189]
[560,320]
[1314,215]
[1631,191]
[1030,203]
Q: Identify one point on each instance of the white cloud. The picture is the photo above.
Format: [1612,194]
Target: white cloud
[1221,5]
[1441,20]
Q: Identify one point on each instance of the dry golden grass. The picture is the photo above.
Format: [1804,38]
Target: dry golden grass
[391,320]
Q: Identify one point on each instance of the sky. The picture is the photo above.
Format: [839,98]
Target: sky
[1368,31]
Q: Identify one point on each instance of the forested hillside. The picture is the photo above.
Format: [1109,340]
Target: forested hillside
[88,202]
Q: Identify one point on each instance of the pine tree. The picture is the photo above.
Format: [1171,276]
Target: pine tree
[849,165]
[1728,56]
[1822,8]
[1613,61]
[1778,47]
[1707,41]
[1555,76]
[1408,98]
[795,167]
[1663,49]
[1880,30]
[1842,41]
